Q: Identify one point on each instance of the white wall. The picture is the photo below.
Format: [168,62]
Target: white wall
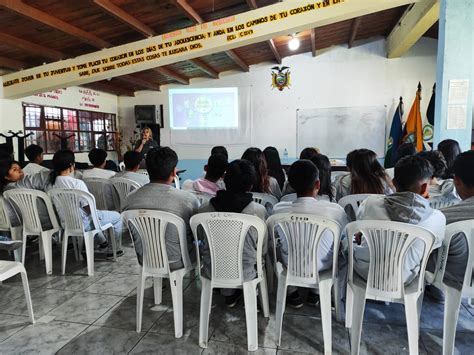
[336,77]
[11,111]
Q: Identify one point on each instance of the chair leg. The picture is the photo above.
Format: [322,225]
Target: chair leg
[114,242]
[176,281]
[280,307]
[250,301]
[26,288]
[264,296]
[158,289]
[358,307]
[89,244]
[23,249]
[349,305]
[452,303]
[206,301]
[412,314]
[41,248]
[47,242]
[325,304]
[140,295]
[64,253]
[76,248]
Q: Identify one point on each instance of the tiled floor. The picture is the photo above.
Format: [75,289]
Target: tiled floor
[77,314]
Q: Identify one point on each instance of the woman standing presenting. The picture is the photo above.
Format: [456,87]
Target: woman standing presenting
[144,145]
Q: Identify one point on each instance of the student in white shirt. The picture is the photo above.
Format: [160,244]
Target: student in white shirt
[98,159]
[215,170]
[34,153]
[61,177]
[303,176]
[132,161]
[408,205]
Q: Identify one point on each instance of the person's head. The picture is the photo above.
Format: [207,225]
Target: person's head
[463,169]
[324,166]
[147,134]
[240,176]
[303,177]
[63,164]
[405,150]
[450,149]
[97,157]
[34,153]
[215,167]
[256,157]
[273,158]
[10,171]
[161,165]
[219,149]
[413,174]
[308,153]
[437,162]
[132,160]
[6,150]
[367,175]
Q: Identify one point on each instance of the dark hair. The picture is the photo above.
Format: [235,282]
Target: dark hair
[410,170]
[216,166]
[324,166]
[131,159]
[450,149]
[256,157]
[463,168]
[160,163]
[97,156]
[33,151]
[367,175]
[437,161]
[6,150]
[308,153]
[6,162]
[302,176]
[405,150]
[62,160]
[240,176]
[274,165]
[219,149]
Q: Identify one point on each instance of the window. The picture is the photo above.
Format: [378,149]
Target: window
[85,129]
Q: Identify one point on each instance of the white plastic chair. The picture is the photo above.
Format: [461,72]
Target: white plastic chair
[351,204]
[122,166]
[25,201]
[225,234]
[266,200]
[151,227]
[11,268]
[388,243]
[302,233]
[123,187]
[68,203]
[289,198]
[102,189]
[6,226]
[453,296]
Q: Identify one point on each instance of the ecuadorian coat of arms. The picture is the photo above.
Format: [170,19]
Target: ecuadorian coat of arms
[281,78]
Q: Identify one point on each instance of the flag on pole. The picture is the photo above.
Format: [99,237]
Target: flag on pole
[413,132]
[396,134]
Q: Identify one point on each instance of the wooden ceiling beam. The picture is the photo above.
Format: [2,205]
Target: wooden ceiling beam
[12,63]
[313,42]
[355,27]
[30,47]
[125,17]
[36,15]
[140,82]
[110,88]
[252,4]
[237,60]
[206,68]
[173,75]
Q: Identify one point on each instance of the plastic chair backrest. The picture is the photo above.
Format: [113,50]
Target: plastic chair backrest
[264,199]
[99,187]
[353,200]
[25,201]
[4,220]
[438,203]
[302,233]
[122,166]
[123,187]
[68,203]
[226,233]
[289,198]
[388,244]
[151,228]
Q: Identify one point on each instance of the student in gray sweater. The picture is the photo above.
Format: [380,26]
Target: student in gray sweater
[160,195]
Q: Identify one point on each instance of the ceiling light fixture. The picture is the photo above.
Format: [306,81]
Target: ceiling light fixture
[294,42]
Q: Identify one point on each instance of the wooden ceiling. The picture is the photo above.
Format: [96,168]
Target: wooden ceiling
[33,32]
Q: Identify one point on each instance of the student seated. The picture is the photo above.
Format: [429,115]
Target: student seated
[219,149]
[408,205]
[236,198]
[264,182]
[366,176]
[404,150]
[275,169]
[458,252]
[34,153]
[308,153]
[160,195]
[326,190]
[303,176]
[215,170]
[98,159]
[132,161]
[61,176]
[450,150]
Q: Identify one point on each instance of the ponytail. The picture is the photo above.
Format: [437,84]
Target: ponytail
[62,160]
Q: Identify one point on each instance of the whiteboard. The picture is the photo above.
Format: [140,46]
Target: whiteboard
[338,130]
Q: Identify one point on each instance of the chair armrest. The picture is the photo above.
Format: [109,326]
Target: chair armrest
[106,226]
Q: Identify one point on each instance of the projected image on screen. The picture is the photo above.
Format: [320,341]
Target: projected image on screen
[204,108]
